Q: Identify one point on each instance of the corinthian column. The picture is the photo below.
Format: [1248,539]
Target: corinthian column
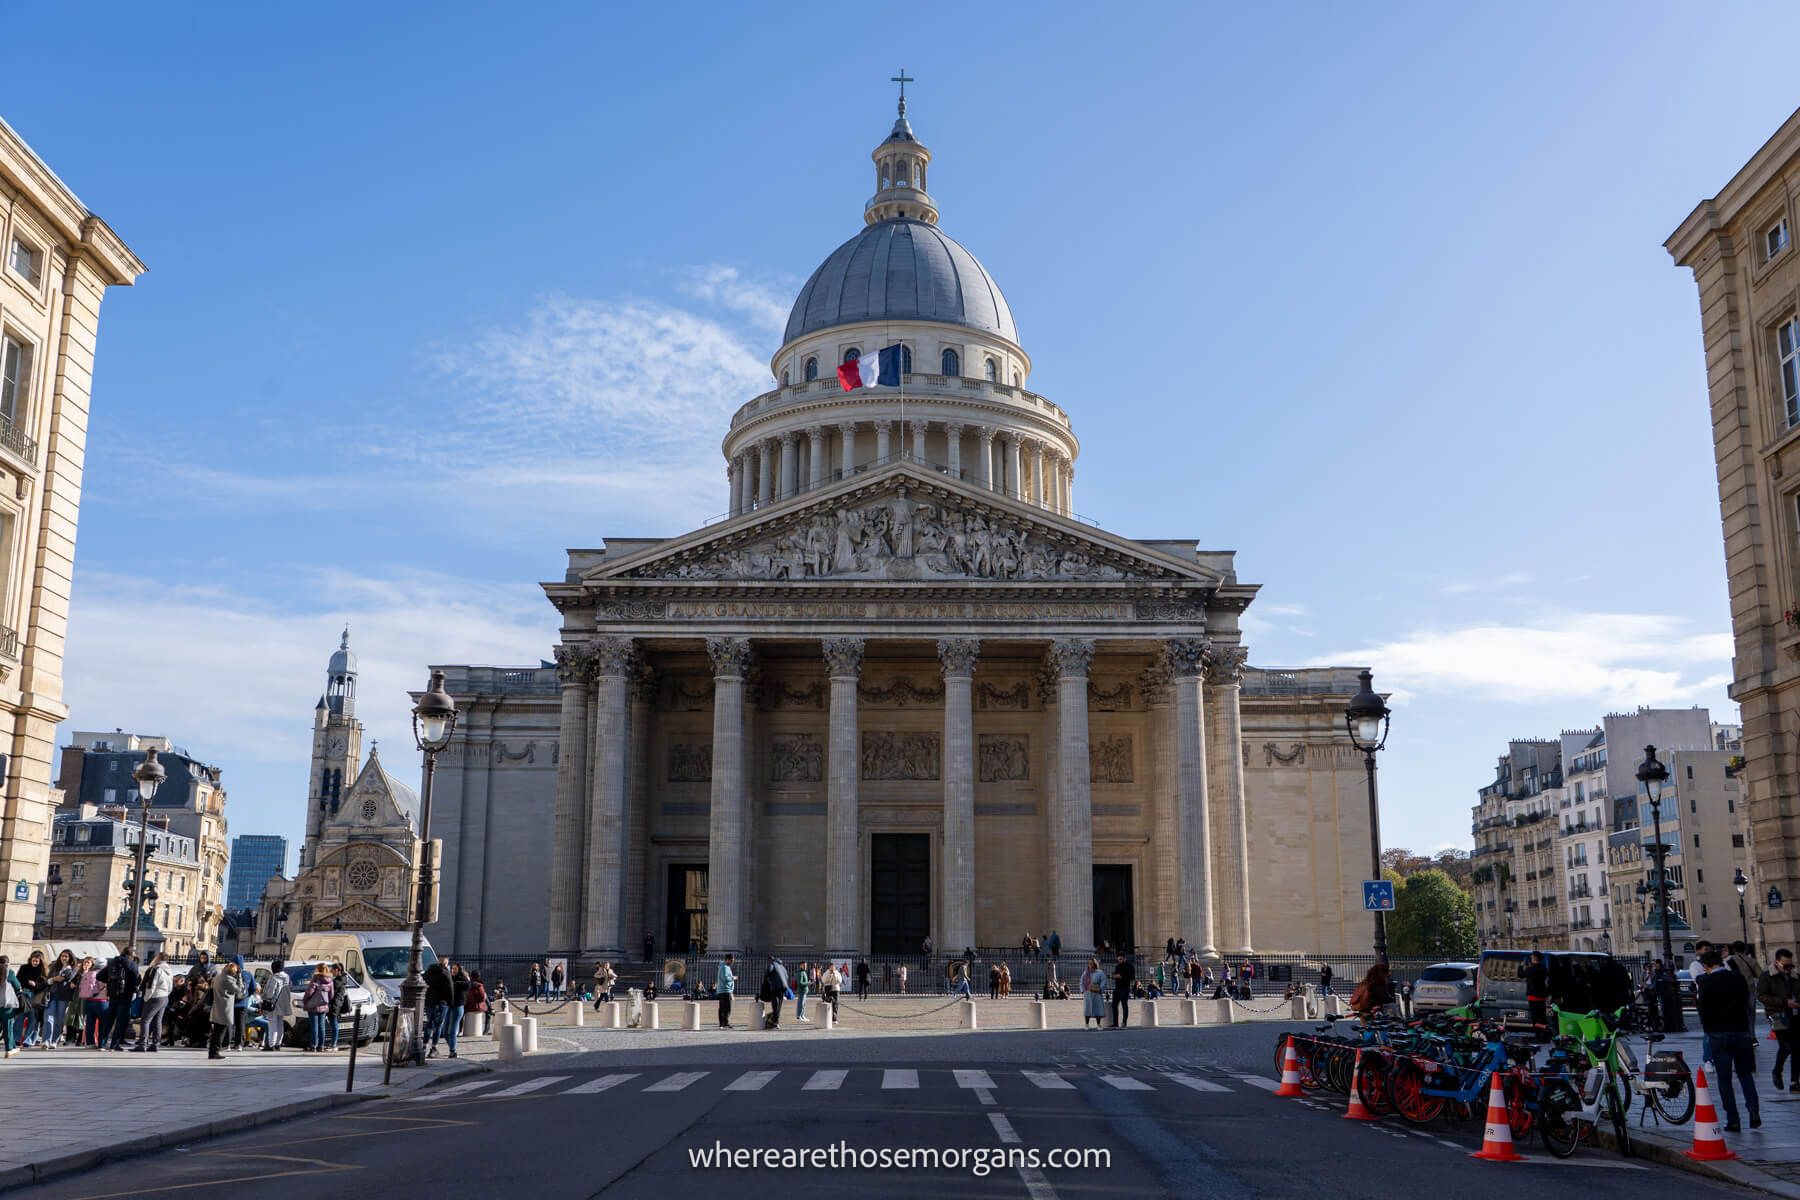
[918,440]
[790,464]
[843,875]
[884,435]
[765,476]
[602,915]
[953,450]
[1014,483]
[727,846]
[984,457]
[957,922]
[1231,880]
[1155,682]
[847,436]
[1193,840]
[637,806]
[815,452]
[573,664]
[1072,823]
[1039,493]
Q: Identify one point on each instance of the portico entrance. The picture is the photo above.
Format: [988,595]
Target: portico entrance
[900,892]
[686,925]
[1112,907]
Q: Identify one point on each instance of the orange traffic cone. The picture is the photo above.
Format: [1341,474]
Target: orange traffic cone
[1290,1072]
[1496,1140]
[1358,1111]
[1709,1143]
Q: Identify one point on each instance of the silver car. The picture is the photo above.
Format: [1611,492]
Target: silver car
[1445,985]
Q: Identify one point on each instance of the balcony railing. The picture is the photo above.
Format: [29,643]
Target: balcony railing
[16,440]
[922,385]
[9,644]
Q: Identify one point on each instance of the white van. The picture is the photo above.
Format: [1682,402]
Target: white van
[100,952]
[376,959]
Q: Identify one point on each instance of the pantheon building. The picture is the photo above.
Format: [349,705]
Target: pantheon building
[902,690]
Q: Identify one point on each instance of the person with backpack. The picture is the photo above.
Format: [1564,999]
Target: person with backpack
[277,1006]
[438,990]
[774,991]
[153,999]
[121,979]
[316,1002]
[12,999]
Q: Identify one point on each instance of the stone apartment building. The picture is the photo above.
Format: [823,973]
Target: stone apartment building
[56,261]
[1740,247]
[96,773]
[1516,870]
[96,853]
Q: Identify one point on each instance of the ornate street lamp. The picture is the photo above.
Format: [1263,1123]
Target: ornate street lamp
[434,721]
[149,776]
[1653,775]
[1367,718]
[1741,882]
[52,884]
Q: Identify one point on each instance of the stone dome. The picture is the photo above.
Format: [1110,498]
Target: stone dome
[902,270]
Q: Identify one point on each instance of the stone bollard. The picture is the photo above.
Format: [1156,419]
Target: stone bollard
[690,1015]
[1149,1020]
[577,1014]
[652,1016]
[1300,1008]
[1225,1013]
[607,1015]
[969,1020]
[1190,1011]
[827,1017]
[471,1024]
[512,1042]
[1036,1014]
[528,1031]
[1336,1007]
[505,1018]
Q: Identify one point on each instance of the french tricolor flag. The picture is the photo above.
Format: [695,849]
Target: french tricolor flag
[880,369]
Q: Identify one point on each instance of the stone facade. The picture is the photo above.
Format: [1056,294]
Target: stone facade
[1740,247]
[901,691]
[56,261]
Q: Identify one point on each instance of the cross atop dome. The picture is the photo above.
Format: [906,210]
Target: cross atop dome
[900,163]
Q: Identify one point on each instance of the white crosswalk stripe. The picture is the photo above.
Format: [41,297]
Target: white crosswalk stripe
[530,1085]
[824,1081]
[1049,1079]
[899,1079]
[1126,1083]
[1267,1085]
[1195,1082]
[974,1079]
[599,1085]
[677,1081]
[751,1081]
[458,1089]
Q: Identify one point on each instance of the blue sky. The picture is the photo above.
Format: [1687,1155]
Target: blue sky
[435,292]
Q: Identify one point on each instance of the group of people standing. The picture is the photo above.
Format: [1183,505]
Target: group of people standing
[451,993]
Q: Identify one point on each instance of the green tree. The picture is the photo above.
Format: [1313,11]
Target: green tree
[1432,918]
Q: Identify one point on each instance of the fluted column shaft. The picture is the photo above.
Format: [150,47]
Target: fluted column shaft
[843,863]
[1193,840]
[731,487]
[637,809]
[815,451]
[1039,494]
[957,906]
[884,434]
[984,458]
[727,843]
[1163,801]
[570,820]
[918,441]
[602,915]
[953,450]
[765,478]
[847,437]
[1072,870]
[790,464]
[1231,878]
[1014,482]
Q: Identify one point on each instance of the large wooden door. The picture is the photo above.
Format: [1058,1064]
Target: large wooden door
[686,908]
[899,892]
[1112,907]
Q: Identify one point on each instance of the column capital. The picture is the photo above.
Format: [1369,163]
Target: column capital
[1069,657]
[815,432]
[789,438]
[986,434]
[574,664]
[643,682]
[1225,665]
[730,656]
[1011,438]
[957,655]
[953,429]
[843,656]
[846,428]
[1186,656]
[614,655]
[1153,680]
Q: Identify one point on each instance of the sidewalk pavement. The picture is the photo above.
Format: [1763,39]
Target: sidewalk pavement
[125,1104]
[1768,1158]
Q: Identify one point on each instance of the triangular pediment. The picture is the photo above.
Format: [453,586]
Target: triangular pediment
[903,523]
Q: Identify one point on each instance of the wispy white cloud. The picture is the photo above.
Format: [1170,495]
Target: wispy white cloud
[763,301]
[1463,587]
[1612,660]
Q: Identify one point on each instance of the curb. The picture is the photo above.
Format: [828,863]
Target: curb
[1730,1171]
[82,1160]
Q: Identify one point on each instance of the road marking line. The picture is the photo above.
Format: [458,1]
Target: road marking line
[1035,1184]
[1004,1128]
[1195,1082]
[973,1079]
[676,1082]
[1049,1079]
[824,1081]
[459,1089]
[599,1085]
[1126,1083]
[751,1081]
[985,1096]
[1267,1085]
[899,1079]
[530,1085]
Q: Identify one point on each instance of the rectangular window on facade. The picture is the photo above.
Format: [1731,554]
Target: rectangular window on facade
[1699,875]
[15,376]
[1776,239]
[1693,805]
[1696,841]
[75,872]
[1690,770]
[27,260]
[1737,841]
[1703,912]
[1787,352]
[74,917]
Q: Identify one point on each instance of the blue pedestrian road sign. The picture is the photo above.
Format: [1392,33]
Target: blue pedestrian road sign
[1378,895]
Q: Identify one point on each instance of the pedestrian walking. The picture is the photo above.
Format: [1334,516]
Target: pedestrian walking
[277,1006]
[1537,994]
[437,1003]
[240,1013]
[1724,1006]
[340,1002]
[227,986]
[121,978]
[605,980]
[317,1003]
[724,985]
[459,1000]
[556,981]
[62,980]
[1055,945]
[1124,975]
[802,981]
[12,998]
[477,1001]
[831,986]
[153,998]
[1779,992]
[774,991]
[1374,993]
[862,979]
[993,981]
[1005,981]
[1325,977]
[1093,995]
[534,981]
[900,978]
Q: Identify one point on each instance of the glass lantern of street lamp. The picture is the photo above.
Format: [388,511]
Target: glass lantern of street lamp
[1741,882]
[1367,716]
[1651,772]
[434,716]
[149,775]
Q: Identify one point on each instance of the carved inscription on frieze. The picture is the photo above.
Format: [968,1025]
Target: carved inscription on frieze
[1002,758]
[889,755]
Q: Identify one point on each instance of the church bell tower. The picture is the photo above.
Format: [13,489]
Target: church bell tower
[337,746]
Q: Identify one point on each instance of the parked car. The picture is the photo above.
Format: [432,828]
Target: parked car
[1445,985]
[376,960]
[1686,988]
[1579,981]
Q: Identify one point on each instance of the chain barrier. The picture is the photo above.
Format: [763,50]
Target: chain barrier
[900,1016]
[1250,1008]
